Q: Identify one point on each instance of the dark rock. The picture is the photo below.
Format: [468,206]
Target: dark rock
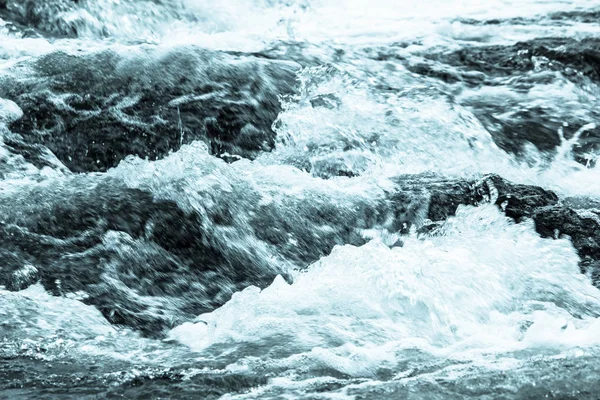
[103,377]
[42,15]
[442,73]
[517,201]
[582,16]
[513,120]
[92,111]
[34,154]
[303,233]
[554,221]
[508,21]
[552,218]
[559,54]
[81,18]
[524,63]
[592,269]
[16,273]
[590,16]
[148,264]
[143,263]
[427,197]
[521,127]
[536,125]
[446,197]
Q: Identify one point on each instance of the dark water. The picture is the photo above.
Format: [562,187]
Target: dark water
[299,199]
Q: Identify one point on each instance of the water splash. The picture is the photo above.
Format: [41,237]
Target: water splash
[482,288]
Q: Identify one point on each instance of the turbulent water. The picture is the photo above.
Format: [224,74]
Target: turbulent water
[292,199]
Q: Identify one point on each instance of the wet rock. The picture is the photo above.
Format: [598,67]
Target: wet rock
[481,65]
[146,263]
[555,221]
[558,18]
[512,133]
[553,54]
[440,72]
[499,83]
[80,18]
[426,198]
[582,203]
[37,155]
[592,269]
[102,377]
[16,273]
[48,16]
[303,233]
[540,126]
[446,197]
[93,110]
[530,64]
[19,159]
[151,265]
[143,263]
[527,65]
[553,218]
[517,201]
[582,16]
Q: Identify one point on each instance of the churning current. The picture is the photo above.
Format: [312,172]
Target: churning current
[299,199]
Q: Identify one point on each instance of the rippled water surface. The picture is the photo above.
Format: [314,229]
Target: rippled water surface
[292,199]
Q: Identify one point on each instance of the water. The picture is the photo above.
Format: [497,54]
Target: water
[205,200]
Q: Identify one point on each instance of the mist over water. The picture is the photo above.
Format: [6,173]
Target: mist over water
[242,199]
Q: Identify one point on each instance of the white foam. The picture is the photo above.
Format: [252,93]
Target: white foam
[417,129]
[472,291]
[9,111]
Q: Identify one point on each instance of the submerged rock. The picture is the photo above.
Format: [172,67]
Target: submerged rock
[498,84]
[517,201]
[93,110]
[557,18]
[584,232]
[150,264]
[81,18]
[530,64]
[143,263]
[566,55]
[544,127]
[46,15]
[553,218]
[18,156]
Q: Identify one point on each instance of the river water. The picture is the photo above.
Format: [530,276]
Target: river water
[258,142]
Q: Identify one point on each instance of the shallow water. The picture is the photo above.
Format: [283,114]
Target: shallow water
[205,200]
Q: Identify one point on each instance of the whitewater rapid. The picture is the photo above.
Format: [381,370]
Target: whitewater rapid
[208,199]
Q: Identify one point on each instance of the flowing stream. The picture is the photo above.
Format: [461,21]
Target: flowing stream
[228,199]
